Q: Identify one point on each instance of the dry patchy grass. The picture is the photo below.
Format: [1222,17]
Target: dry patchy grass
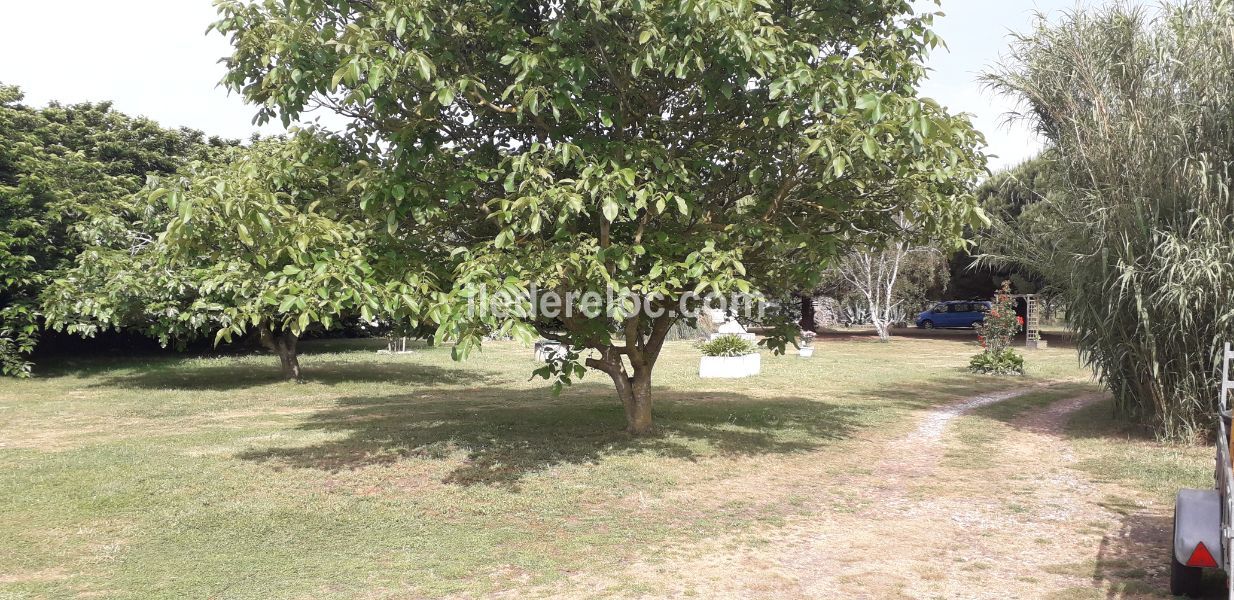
[411,475]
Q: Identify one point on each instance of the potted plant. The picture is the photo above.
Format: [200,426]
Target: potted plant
[729,357]
[806,349]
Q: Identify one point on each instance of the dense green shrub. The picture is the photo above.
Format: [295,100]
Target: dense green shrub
[728,345]
[1005,362]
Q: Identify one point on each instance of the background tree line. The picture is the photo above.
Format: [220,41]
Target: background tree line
[67,174]
[115,223]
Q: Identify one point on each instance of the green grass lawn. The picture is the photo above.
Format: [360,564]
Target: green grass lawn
[390,476]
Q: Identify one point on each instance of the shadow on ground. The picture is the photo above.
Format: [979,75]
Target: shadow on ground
[1099,420]
[940,390]
[232,376]
[507,434]
[164,369]
[1134,560]
[960,336]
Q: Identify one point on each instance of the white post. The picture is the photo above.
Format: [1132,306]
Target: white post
[1226,384]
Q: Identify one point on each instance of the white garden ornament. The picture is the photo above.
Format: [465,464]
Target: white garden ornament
[728,326]
[806,349]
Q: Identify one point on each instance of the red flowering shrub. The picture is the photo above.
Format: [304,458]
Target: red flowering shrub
[995,336]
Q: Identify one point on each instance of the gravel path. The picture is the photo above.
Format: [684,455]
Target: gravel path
[931,514]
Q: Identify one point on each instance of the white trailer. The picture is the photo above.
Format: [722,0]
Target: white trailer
[1202,532]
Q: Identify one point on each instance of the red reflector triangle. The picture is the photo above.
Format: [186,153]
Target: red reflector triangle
[1201,557]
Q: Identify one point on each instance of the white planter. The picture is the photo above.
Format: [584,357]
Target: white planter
[805,352]
[730,367]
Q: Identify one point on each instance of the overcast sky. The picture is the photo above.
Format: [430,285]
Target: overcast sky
[152,58]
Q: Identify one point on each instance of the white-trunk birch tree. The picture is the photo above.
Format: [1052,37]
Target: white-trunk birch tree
[890,276]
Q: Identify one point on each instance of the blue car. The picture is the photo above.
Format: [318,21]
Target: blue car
[962,313]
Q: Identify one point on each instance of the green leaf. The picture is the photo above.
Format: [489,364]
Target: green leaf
[426,67]
[609,208]
[838,163]
[870,147]
[445,96]
[338,77]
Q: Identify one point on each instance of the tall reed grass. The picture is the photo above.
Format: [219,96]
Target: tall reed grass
[1137,106]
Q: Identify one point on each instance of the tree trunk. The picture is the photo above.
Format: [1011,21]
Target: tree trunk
[807,313]
[883,328]
[634,390]
[290,358]
[284,345]
[638,404]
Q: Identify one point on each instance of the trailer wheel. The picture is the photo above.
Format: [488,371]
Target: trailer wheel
[1184,580]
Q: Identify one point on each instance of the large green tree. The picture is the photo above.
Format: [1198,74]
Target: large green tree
[1018,202]
[62,168]
[1137,106]
[264,240]
[639,146]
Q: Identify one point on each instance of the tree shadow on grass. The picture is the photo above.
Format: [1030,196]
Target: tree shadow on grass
[1134,560]
[233,375]
[246,365]
[964,335]
[947,386]
[507,434]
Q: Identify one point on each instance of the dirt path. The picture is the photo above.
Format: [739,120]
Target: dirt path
[965,506]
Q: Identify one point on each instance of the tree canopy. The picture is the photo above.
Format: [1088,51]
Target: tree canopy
[641,147]
[65,169]
[1015,245]
[265,239]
